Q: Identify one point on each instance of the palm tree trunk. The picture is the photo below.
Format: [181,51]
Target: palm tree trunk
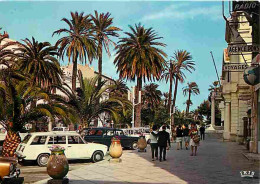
[173,103]
[188,104]
[74,73]
[139,106]
[99,61]
[170,93]
[175,92]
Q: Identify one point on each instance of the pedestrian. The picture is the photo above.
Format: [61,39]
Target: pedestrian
[194,143]
[186,137]
[202,132]
[163,139]
[154,142]
[179,137]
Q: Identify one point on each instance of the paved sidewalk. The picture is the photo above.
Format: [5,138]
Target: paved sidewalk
[217,162]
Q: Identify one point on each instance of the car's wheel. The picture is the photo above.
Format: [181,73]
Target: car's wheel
[42,159]
[97,156]
[134,145]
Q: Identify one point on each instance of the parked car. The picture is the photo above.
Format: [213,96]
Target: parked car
[104,136]
[36,146]
[60,129]
[137,132]
[8,169]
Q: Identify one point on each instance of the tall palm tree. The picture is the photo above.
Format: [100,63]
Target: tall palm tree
[182,62]
[103,30]
[191,89]
[168,75]
[151,95]
[39,60]
[138,57]
[79,43]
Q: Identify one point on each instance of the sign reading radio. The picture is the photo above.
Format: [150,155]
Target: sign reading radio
[243,48]
[234,67]
[248,6]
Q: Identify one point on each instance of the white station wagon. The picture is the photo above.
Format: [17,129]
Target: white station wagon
[36,146]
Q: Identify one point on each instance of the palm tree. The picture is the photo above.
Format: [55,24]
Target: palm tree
[16,96]
[214,86]
[103,30]
[169,75]
[138,57]
[39,60]
[78,43]
[151,95]
[166,98]
[84,100]
[182,61]
[192,88]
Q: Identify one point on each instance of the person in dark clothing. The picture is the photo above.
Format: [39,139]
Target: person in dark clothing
[202,132]
[186,137]
[179,137]
[163,138]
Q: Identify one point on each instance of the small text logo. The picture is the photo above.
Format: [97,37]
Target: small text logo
[247,174]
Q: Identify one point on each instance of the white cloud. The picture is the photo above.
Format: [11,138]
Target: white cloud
[185,11]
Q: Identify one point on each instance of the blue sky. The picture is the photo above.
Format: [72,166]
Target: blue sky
[197,27]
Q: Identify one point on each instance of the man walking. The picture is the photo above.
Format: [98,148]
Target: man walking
[202,132]
[163,138]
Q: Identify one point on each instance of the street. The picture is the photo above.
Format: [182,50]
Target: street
[217,162]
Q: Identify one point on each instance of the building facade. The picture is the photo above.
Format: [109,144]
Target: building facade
[240,99]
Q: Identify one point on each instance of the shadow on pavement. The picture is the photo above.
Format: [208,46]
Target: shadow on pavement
[216,162]
[104,182]
[34,163]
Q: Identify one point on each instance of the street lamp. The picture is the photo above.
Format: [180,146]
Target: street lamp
[132,98]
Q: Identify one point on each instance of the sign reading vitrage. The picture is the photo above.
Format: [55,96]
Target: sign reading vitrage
[234,67]
[243,48]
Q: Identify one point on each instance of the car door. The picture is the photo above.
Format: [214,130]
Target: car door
[109,133]
[58,140]
[126,141]
[77,149]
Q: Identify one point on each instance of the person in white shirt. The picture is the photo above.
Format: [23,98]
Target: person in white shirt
[154,143]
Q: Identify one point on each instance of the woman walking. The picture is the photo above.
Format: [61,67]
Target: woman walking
[193,139]
[186,137]
[154,142]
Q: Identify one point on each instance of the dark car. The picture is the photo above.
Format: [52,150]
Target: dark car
[104,136]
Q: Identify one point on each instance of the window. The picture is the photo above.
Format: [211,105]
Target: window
[75,140]
[119,132]
[39,140]
[57,140]
[110,132]
[26,138]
